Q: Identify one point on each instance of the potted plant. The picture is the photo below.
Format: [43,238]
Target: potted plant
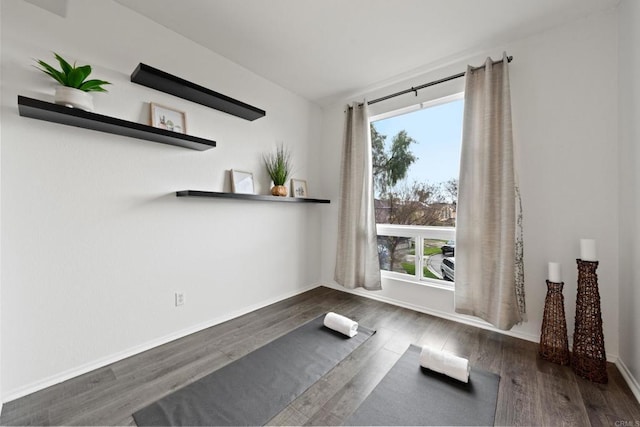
[278,166]
[74,87]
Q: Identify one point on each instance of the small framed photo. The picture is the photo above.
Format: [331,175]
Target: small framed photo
[168,118]
[242,182]
[299,188]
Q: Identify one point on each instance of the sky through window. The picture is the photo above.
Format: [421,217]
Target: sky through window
[438,132]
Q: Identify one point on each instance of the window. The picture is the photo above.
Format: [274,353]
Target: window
[416,162]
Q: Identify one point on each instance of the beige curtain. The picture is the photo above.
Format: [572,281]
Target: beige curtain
[357,262]
[489,279]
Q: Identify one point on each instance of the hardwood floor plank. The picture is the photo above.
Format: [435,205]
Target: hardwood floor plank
[349,397]
[163,375]
[462,340]
[324,418]
[62,392]
[606,404]
[30,417]
[246,345]
[487,354]
[532,391]
[322,391]
[408,328]
[136,395]
[561,403]
[623,393]
[518,395]
[436,333]
[288,417]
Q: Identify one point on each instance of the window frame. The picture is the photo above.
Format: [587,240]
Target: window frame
[417,232]
[416,107]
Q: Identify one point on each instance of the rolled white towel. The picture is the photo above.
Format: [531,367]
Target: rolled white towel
[445,363]
[341,324]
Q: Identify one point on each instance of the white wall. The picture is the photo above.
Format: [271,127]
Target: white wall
[629,190]
[95,243]
[564,103]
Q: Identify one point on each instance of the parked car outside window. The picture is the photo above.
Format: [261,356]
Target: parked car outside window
[447,268]
[449,249]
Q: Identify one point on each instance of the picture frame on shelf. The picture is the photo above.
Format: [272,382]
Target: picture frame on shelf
[299,188]
[168,118]
[242,182]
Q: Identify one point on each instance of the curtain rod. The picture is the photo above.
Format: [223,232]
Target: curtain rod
[433,83]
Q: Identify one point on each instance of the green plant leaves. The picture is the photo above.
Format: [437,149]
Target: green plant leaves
[278,165]
[57,75]
[93,86]
[76,76]
[66,68]
[72,76]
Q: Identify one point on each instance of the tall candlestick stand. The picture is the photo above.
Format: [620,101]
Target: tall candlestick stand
[589,359]
[554,345]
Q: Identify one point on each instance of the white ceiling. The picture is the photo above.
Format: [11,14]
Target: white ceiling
[323,49]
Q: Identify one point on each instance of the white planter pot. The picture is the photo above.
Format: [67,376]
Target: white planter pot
[74,98]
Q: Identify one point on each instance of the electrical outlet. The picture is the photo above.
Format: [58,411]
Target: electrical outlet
[179,298]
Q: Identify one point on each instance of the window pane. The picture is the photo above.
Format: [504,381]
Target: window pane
[397,254]
[437,259]
[416,162]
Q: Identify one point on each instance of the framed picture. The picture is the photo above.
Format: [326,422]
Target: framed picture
[241,182]
[299,188]
[168,118]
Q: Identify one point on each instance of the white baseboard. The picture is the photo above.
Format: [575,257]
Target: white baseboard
[96,364]
[633,383]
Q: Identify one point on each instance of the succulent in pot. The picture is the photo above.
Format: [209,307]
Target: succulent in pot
[278,166]
[74,87]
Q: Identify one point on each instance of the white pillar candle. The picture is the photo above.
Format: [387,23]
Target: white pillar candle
[588,250]
[554,272]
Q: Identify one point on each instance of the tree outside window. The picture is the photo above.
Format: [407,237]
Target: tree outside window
[405,197]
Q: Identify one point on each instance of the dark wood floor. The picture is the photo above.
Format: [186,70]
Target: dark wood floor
[532,392]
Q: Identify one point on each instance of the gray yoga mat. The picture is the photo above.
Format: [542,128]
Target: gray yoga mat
[411,395]
[256,387]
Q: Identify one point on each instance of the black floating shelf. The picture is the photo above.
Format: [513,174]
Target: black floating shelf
[42,110]
[157,79]
[258,197]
